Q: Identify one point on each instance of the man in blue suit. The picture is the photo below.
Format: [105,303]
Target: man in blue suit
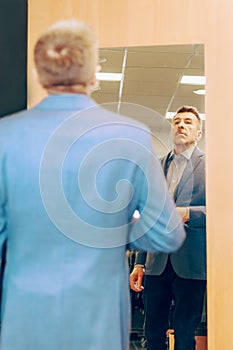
[71,176]
[179,276]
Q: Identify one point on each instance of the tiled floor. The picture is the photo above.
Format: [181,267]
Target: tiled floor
[136,342]
[136,345]
[137,330]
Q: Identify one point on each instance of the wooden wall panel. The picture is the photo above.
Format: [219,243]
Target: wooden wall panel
[219,125]
[161,22]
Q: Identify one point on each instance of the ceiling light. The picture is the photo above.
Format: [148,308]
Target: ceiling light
[102,60]
[109,76]
[170,115]
[199,92]
[193,79]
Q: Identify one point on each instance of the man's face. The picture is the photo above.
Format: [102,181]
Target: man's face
[185,129]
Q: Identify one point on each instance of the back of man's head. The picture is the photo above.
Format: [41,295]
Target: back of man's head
[66,54]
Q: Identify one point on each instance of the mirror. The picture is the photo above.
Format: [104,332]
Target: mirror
[151,77]
[152,80]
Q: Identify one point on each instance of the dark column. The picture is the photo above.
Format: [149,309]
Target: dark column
[13,56]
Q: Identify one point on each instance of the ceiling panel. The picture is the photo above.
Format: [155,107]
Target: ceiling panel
[152,77]
[159,88]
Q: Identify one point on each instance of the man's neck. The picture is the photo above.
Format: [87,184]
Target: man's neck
[74,89]
[178,149]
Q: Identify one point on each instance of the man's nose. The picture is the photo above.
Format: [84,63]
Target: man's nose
[181,124]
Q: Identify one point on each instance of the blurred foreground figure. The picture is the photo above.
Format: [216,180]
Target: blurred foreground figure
[71,176]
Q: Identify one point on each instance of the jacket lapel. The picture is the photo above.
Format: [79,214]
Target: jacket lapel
[165,162]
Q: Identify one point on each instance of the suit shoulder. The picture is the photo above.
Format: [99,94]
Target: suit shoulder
[200,153]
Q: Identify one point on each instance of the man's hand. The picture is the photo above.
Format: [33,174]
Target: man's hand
[136,278]
[184,213]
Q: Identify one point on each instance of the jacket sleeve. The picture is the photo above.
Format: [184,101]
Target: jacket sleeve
[160,228]
[140,258]
[197,217]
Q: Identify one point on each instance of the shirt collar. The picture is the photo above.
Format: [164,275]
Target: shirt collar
[187,153]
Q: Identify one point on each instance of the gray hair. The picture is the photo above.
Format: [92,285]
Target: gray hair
[66,54]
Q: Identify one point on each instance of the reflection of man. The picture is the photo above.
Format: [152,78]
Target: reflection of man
[180,276]
[62,293]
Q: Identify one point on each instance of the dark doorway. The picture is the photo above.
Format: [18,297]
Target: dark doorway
[13,56]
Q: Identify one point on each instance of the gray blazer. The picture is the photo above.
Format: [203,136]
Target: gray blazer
[190,260]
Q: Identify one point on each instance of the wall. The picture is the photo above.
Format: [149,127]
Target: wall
[162,22]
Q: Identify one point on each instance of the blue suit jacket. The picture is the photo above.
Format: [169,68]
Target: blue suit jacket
[190,260]
[71,176]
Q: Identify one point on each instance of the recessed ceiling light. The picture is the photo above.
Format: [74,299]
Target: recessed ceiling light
[109,76]
[170,115]
[199,92]
[193,79]
[102,60]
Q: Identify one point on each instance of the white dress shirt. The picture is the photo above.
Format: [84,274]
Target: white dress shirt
[176,168]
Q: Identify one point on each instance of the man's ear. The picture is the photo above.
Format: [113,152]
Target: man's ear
[93,80]
[199,134]
[94,83]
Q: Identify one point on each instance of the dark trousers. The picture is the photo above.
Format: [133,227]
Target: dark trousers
[187,295]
